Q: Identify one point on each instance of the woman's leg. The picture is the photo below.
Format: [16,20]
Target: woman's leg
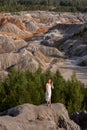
[50,103]
[47,103]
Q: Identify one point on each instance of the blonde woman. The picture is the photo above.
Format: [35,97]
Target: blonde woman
[49,86]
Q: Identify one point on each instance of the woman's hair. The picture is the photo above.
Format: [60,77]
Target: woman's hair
[50,81]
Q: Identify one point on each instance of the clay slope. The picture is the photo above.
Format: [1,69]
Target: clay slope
[30,117]
[75,49]
[47,39]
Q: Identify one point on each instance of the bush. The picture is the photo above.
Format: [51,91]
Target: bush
[27,87]
[61,5]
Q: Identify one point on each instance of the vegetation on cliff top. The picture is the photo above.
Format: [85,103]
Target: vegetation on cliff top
[27,87]
[56,5]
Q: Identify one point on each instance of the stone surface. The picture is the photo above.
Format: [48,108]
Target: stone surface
[30,117]
[82,61]
[80,118]
[8,45]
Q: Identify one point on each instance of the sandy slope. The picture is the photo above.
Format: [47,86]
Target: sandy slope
[67,68]
[32,38]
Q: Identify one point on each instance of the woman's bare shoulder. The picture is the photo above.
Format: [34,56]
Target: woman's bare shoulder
[46,84]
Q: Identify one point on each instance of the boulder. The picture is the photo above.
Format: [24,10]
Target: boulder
[31,117]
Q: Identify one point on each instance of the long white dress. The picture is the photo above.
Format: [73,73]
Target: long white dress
[48,93]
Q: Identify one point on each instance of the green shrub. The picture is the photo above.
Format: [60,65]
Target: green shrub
[27,87]
[57,5]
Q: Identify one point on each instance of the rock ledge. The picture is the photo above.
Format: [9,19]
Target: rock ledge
[31,117]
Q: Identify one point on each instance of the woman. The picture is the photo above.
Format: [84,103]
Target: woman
[49,86]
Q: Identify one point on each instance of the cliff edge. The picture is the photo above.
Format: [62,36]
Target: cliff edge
[31,117]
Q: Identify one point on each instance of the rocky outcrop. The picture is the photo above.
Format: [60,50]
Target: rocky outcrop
[30,117]
[22,60]
[80,118]
[82,61]
[7,60]
[8,45]
[31,26]
[10,28]
[27,63]
[50,51]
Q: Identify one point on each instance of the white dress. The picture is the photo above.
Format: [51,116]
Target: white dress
[48,93]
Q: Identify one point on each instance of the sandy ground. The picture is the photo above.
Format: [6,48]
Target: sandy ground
[67,68]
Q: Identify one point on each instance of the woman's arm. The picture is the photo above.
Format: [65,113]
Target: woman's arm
[52,85]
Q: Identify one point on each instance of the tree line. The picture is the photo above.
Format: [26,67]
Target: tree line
[27,87]
[52,5]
